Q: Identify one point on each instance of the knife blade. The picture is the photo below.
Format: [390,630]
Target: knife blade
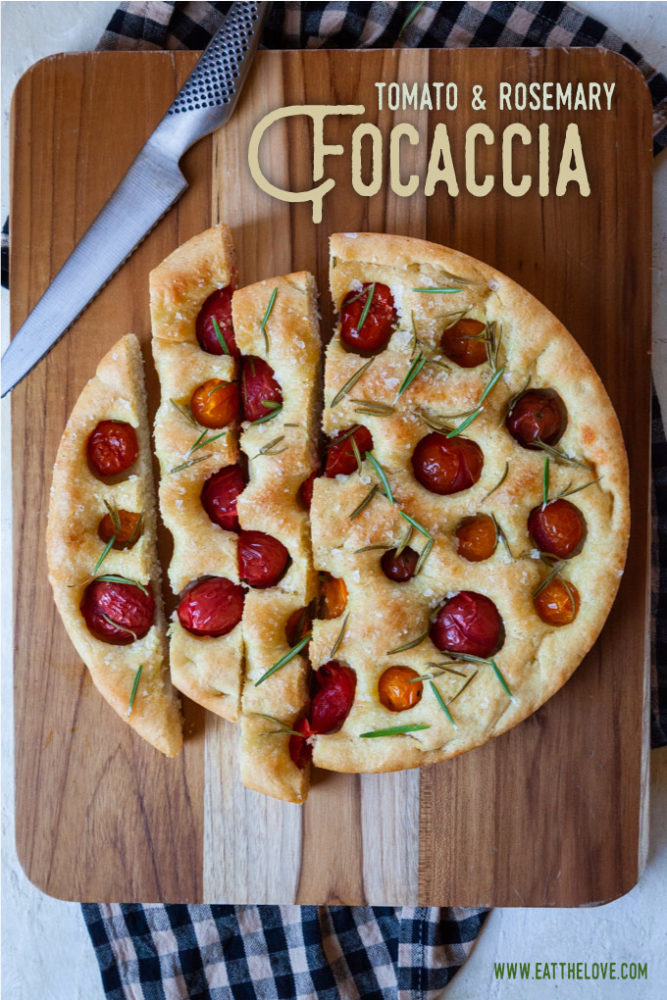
[151,186]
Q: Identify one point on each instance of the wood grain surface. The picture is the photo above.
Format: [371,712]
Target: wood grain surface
[550,813]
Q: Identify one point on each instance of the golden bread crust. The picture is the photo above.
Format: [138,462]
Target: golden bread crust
[76,507]
[535,659]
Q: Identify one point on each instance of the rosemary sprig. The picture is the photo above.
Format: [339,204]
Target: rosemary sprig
[513,400]
[364,503]
[271,404]
[216,388]
[202,441]
[112,578]
[567,492]
[267,416]
[556,569]
[409,727]
[405,541]
[348,433]
[500,534]
[262,325]
[493,345]
[371,548]
[382,474]
[136,530]
[545,482]
[135,685]
[425,552]
[351,382]
[412,373]
[411,16]
[560,456]
[460,691]
[473,416]
[184,412]
[499,483]
[357,455]
[455,316]
[409,645]
[219,337]
[435,425]
[186,465]
[441,702]
[438,291]
[503,682]
[294,651]
[469,658]
[367,306]
[337,643]
[123,628]
[107,549]
[114,515]
[282,731]
[267,448]
[416,524]
[372,408]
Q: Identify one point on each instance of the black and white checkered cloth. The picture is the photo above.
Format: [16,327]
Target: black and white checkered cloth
[222,952]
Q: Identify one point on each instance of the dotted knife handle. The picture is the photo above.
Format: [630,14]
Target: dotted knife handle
[217,78]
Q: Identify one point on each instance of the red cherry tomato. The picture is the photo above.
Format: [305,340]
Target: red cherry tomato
[558,530]
[335,686]
[300,750]
[263,560]
[457,343]
[128,533]
[220,494]
[305,493]
[260,393]
[211,607]
[215,403]
[468,623]
[112,448]
[218,306]
[298,625]
[537,415]
[399,568]
[341,460]
[118,613]
[447,465]
[375,331]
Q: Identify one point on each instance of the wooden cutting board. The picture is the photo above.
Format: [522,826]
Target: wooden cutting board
[549,814]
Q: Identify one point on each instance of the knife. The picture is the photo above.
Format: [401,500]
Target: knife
[151,186]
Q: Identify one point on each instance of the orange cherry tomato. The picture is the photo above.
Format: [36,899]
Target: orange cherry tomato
[457,343]
[396,691]
[127,529]
[215,403]
[554,604]
[332,597]
[477,537]
[298,625]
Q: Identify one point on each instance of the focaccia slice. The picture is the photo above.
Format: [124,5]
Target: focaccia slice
[133,678]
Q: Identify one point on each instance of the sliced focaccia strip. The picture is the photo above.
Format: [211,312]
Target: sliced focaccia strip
[196,363]
[132,676]
[272,707]
[457,360]
[277,331]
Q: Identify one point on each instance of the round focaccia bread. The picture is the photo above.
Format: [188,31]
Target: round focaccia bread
[133,677]
[413,387]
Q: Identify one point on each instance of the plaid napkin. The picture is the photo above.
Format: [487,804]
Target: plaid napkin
[156,952]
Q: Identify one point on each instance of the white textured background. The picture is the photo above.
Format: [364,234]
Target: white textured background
[46,950]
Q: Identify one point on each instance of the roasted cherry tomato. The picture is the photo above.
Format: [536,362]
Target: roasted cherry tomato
[537,415]
[374,333]
[399,568]
[300,750]
[298,625]
[218,307]
[260,393]
[126,527]
[219,496]
[112,448]
[212,607]
[557,604]
[558,529]
[335,685]
[341,460]
[476,537]
[332,599]
[458,345]
[215,403]
[398,690]
[447,465]
[468,623]
[305,493]
[263,560]
[118,613]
